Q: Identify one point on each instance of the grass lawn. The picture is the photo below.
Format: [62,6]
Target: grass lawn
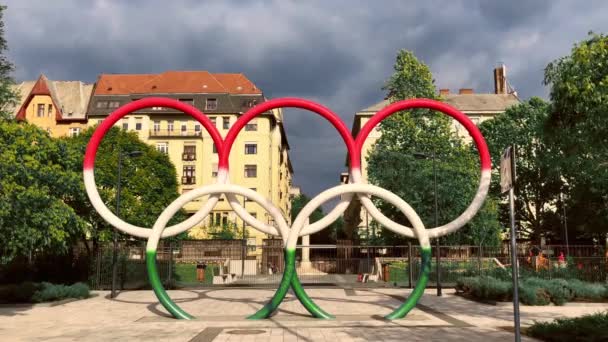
[185,274]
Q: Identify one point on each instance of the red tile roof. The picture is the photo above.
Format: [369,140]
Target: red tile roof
[174,82]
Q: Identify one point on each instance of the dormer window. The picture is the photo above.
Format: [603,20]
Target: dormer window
[102,104]
[187,101]
[211,104]
[113,104]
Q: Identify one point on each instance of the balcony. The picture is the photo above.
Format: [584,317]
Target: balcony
[188,180]
[188,156]
[163,133]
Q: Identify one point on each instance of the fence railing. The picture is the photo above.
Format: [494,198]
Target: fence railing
[232,263]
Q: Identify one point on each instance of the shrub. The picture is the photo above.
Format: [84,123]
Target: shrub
[588,291]
[18,293]
[50,292]
[485,288]
[557,291]
[586,328]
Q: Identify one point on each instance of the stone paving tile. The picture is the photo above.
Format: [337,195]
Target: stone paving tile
[138,316]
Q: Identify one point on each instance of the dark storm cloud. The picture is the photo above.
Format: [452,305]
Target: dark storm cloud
[338,53]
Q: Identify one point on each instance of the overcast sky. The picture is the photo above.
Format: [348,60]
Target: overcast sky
[338,53]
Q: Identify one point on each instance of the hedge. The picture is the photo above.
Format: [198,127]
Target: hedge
[29,292]
[532,291]
[585,328]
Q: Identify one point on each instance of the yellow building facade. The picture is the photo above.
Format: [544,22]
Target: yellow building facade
[260,155]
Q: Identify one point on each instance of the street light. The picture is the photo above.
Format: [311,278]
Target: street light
[420,155]
[121,155]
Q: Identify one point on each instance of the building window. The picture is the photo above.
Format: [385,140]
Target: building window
[74,131]
[226,122]
[184,128]
[170,126]
[211,104]
[214,170]
[113,104]
[249,199]
[214,149]
[50,110]
[251,148]
[102,104]
[251,171]
[252,125]
[197,129]
[156,126]
[40,110]
[189,152]
[125,124]
[251,242]
[213,121]
[138,124]
[188,175]
[162,147]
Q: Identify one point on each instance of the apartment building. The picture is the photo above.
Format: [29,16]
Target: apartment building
[259,158]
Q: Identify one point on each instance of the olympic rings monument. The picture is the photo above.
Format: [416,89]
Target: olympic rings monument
[300,227]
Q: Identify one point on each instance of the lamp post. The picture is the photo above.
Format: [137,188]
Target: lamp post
[420,155]
[121,155]
[244,243]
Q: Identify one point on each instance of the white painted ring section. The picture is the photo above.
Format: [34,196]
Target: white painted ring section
[419,231]
[178,203]
[142,232]
[452,226]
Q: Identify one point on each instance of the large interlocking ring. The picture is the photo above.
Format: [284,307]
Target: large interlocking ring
[299,227]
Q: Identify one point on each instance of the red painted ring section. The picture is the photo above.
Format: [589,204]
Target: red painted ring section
[482,147]
[333,118]
[104,127]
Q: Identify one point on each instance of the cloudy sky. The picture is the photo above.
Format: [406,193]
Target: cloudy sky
[338,53]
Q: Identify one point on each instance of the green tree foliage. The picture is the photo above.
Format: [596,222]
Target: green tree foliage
[394,166]
[538,182]
[36,183]
[227,231]
[578,123]
[148,182]
[325,236]
[8,98]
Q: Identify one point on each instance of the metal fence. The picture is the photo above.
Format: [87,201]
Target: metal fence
[231,263]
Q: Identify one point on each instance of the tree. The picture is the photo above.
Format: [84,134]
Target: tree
[35,184]
[578,124]
[8,98]
[393,164]
[148,182]
[538,182]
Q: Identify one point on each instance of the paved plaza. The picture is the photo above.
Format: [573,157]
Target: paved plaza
[136,315]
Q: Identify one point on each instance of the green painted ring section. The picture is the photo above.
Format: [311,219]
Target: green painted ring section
[159,290]
[290,279]
[279,295]
[306,301]
[415,296]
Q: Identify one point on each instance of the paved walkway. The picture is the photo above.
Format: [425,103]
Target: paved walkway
[221,317]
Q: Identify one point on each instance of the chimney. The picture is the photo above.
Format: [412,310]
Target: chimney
[465,91]
[500,79]
[444,92]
